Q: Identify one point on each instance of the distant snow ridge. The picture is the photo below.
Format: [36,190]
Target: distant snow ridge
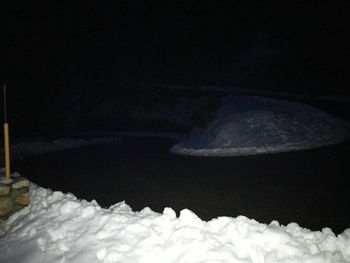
[58,227]
[246,125]
[27,148]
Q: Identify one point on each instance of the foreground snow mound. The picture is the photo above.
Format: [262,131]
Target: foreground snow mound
[57,227]
[246,125]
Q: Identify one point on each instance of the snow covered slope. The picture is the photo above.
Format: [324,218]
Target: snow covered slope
[246,125]
[58,227]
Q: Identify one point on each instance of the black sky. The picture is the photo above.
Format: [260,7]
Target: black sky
[177,41]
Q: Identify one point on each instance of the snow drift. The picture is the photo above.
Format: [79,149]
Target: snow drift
[58,227]
[245,125]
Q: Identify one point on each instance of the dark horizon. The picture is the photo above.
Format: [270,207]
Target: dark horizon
[296,47]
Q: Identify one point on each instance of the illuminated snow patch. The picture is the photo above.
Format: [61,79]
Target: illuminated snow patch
[58,227]
[245,125]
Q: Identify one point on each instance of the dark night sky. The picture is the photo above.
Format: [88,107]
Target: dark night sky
[176,41]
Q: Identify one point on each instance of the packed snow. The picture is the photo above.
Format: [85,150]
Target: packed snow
[245,125]
[57,227]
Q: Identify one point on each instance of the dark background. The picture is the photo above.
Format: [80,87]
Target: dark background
[175,41]
[55,50]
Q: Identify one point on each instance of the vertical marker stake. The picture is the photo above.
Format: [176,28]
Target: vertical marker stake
[6,139]
[7,150]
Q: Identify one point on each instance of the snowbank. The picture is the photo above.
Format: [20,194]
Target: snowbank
[58,227]
[245,125]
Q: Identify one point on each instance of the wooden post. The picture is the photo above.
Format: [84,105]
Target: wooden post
[6,139]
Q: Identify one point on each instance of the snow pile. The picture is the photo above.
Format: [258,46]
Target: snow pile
[57,227]
[246,125]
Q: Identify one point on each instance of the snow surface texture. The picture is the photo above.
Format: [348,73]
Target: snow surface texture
[58,227]
[245,125]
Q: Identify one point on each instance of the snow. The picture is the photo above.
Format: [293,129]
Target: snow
[57,227]
[245,125]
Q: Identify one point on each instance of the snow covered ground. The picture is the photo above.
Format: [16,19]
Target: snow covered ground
[57,227]
[245,125]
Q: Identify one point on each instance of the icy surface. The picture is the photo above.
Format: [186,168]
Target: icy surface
[246,125]
[58,227]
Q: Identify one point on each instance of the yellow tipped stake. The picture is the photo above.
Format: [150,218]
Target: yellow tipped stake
[6,139]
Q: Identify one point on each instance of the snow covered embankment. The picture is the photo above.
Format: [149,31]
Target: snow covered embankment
[58,227]
[245,125]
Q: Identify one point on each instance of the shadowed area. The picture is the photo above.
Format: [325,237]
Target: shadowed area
[307,187]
